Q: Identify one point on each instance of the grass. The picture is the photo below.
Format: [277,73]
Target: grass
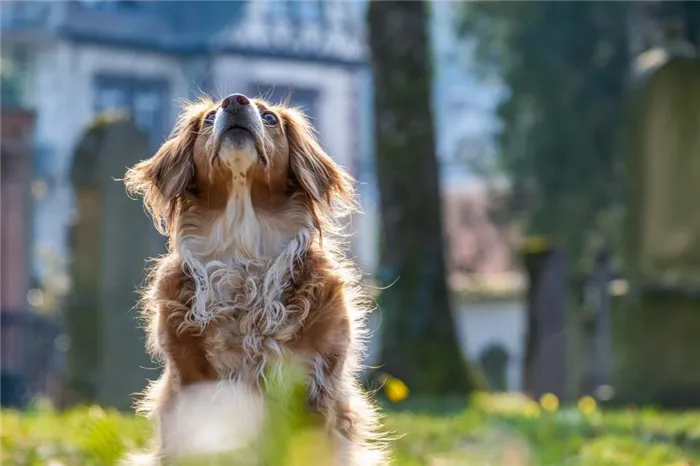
[493,430]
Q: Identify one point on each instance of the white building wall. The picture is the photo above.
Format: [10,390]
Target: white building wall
[464,103]
[478,326]
[368,227]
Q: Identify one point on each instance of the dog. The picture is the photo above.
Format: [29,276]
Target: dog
[255,273]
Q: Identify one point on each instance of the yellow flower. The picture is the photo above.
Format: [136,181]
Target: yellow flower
[549,402]
[587,405]
[395,389]
[532,410]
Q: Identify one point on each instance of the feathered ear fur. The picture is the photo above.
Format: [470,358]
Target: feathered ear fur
[163,179]
[328,187]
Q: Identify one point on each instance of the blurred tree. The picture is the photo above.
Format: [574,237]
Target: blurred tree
[666,22]
[566,66]
[419,343]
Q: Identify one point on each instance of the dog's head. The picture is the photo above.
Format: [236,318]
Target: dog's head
[240,147]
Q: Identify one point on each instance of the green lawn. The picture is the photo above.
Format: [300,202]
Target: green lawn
[493,430]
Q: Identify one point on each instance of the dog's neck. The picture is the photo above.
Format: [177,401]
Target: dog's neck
[237,234]
[240,244]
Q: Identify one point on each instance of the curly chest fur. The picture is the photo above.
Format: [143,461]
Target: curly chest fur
[254,327]
[244,320]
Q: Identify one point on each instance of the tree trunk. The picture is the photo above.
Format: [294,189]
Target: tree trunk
[419,343]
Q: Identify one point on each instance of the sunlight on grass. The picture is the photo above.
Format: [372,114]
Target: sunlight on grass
[496,429]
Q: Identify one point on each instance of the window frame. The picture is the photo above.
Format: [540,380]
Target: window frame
[131,86]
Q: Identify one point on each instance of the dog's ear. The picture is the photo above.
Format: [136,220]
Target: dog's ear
[163,179]
[324,182]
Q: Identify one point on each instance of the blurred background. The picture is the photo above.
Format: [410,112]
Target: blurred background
[527,172]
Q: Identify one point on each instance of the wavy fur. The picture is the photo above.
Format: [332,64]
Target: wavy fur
[255,273]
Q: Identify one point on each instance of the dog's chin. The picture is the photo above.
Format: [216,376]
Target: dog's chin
[237,147]
[238,136]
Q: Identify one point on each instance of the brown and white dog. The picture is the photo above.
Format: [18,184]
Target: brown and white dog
[255,273]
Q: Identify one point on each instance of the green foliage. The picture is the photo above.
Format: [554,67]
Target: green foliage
[87,436]
[292,432]
[650,331]
[493,430]
[565,65]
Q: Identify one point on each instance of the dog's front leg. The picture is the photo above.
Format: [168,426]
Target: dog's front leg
[351,419]
[334,391]
[177,343]
[335,394]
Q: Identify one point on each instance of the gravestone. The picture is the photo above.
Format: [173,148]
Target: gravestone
[656,332]
[494,364]
[594,331]
[111,240]
[544,369]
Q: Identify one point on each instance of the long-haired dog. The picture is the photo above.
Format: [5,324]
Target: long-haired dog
[255,274]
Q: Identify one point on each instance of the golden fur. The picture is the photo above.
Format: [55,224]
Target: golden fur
[255,272]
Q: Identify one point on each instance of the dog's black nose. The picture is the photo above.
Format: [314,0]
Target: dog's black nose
[235,100]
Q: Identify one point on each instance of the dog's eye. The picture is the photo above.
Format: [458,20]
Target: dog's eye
[270,118]
[211,116]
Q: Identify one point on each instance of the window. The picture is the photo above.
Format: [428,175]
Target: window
[277,9]
[306,99]
[91,3]
[112,99]
[307,11]
[303,11]
[145,100]
[109,4]
[147,109]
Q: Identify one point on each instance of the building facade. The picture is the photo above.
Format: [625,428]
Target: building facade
[16,153]
[82,58]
